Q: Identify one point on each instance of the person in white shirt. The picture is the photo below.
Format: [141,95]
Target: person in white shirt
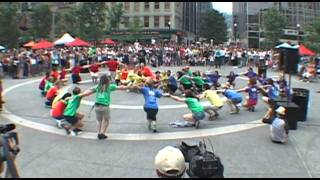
[278,129]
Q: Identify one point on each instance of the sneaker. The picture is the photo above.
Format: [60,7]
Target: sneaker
[154,126]
[196,124]
[59,124]
[252,109]
[67,130]
[77,130]
[102,136]
[73,133]
[233,112]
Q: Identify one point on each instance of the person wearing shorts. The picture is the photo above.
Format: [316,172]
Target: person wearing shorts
[233,98]
[197,110]
[151,96]
[215,101]
[102,102]
[252,99]
[72,119]
[58,109]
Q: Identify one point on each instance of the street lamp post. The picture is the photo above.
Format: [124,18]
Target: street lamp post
[235,32]
[298,37]
[54,10]
[169,25]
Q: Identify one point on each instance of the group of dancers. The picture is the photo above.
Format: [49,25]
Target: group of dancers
[193,87]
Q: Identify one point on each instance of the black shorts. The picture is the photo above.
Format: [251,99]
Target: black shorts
[71,119]
[172,88]
[151,113]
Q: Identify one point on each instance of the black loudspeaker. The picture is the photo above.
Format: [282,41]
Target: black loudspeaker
[290,60]
[301,98]
[292,112]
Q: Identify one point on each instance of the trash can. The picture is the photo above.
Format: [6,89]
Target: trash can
[292,111]
[301,98]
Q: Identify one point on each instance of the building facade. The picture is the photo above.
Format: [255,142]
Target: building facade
[160,20]
[248,19]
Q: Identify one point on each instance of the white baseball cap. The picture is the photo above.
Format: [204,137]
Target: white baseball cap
[170,158]
[281,110]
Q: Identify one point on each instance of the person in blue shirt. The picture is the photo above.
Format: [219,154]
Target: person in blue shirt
[234,98]
[151,96]
[250,73]
[214,78]
[271,92]
[172,83]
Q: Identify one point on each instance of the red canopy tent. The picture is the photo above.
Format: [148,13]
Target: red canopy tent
[78,42]
[109,42]
[29,44]
[305,51]
[43,44]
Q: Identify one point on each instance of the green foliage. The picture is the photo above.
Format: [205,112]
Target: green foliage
[114,15]
[9,30]
[273,24]
[67,22]
[213,26]
[41,21]
[312,36]
[91,20]
[135,27]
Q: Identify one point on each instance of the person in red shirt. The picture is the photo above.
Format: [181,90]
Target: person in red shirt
[52,93]
[146,71]
[55,73]
[62,75]
[57,111]
[76,74]
[94,69]
[113,66]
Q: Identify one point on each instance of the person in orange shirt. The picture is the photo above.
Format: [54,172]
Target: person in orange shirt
[52,93]
[57,111]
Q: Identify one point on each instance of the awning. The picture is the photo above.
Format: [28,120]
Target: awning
[66,38]
[2,47]
[78,42]
[29,44]
[286,45]
[43,44]
[303,51]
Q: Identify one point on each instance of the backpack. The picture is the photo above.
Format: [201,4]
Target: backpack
[202,163]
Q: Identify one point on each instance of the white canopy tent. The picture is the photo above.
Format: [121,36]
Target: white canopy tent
[66,38]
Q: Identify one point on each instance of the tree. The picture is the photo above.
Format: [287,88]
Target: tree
[114,15]
[312,36]
[134,28]
[9,30]
[273,23]
[41,21]
[91,20]
[213,26]
[67,22]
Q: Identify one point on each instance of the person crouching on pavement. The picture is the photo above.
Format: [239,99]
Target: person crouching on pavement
[170,163]
[234,98]
[279,129]
[215,101]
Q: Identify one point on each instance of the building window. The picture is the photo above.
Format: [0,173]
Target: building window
[166,20]
[156,5]
[127,6]
[136,6]
[126,21]
[146,21]
[156,21]
[166,5]
[146,6]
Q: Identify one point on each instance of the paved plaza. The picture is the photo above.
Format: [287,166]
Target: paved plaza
[242,141]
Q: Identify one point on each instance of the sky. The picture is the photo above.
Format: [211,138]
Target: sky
[223,7]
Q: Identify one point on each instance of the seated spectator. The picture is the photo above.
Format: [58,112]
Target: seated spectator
[279,130]
[170,163]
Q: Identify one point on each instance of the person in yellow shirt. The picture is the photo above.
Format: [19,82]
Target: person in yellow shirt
[61,93]
[215,101]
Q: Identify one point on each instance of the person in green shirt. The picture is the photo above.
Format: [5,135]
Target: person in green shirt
[197,110]
[73,118]
[185,83]
[102,102]
[48,85]
[198,81]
